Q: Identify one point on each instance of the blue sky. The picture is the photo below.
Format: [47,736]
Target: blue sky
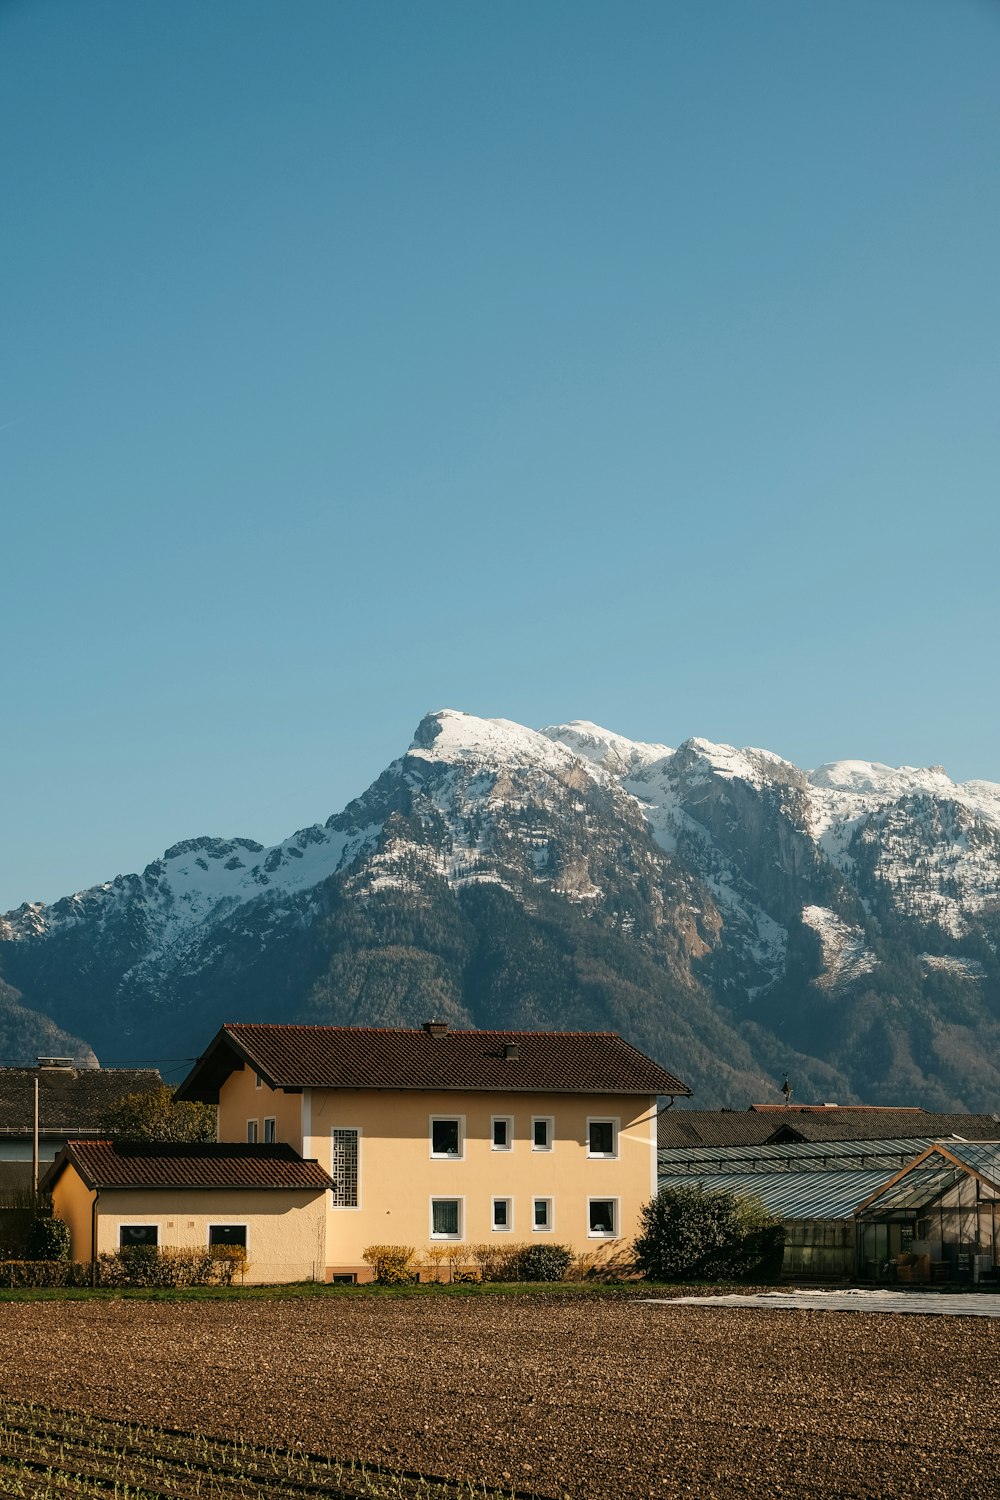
[548,360]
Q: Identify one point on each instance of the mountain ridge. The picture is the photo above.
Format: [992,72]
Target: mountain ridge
[716,899]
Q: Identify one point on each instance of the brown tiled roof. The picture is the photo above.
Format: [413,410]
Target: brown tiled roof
[69,1099]
[592,1062]
[225,1164]
[755,1127]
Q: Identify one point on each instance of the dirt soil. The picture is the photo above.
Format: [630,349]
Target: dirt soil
[564,1397]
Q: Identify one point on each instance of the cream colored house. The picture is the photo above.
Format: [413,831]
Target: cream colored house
[265,1199]
[441,1137]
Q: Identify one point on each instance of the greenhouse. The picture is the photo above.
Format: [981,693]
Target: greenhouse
[867,1210]
[937,1219]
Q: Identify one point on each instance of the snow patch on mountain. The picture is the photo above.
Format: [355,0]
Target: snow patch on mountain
[846,956]
[958,968]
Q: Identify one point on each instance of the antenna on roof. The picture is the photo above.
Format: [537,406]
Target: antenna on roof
[786,1089]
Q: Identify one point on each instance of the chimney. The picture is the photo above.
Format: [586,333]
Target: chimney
[512,1051]
[435,1028]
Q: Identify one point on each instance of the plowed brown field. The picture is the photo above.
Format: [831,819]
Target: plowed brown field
[559,1395]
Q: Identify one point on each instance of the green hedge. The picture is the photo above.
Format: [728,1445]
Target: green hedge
[18,1273]
[145,1265]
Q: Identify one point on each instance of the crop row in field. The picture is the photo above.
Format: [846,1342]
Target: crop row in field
[46,1452]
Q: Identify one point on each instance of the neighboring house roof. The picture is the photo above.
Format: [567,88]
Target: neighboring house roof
[15,1178]
[429,1057]
[848,1122]
[224,1164]
[71,1101]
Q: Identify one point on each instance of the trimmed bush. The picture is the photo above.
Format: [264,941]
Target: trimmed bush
[47,1239]
[390,1264]
[541,1263]
[691,1234]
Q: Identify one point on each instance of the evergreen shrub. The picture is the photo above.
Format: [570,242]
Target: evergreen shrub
[47,1239]
[691,1234]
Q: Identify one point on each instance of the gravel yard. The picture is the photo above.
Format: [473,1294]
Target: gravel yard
[563,1396]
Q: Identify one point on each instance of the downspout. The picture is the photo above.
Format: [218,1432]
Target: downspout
[93,1237]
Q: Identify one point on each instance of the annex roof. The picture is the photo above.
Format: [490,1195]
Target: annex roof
[223,1164]
[680,1128]
[71,1101]
[431,1057]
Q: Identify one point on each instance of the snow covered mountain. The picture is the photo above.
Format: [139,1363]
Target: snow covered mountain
[732,914]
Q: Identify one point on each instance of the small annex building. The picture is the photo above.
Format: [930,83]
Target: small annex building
[265,1198]
[438,1137]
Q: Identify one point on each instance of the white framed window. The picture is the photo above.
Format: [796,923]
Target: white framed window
[258,1082]
[503,1214]
[228,1234]
[446,1218]
[502,1131]
[270,1135]
[345,1166]
[542,1132]
[252,1132]
[447,1137]
[602,1138]
[602,1218]
[542,1216]
[131,1236]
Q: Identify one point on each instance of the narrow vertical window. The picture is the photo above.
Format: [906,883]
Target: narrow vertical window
[542,1133]
[542,1213]
[252,1132]
[503,1214]
[269,1132]
[344,1168]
